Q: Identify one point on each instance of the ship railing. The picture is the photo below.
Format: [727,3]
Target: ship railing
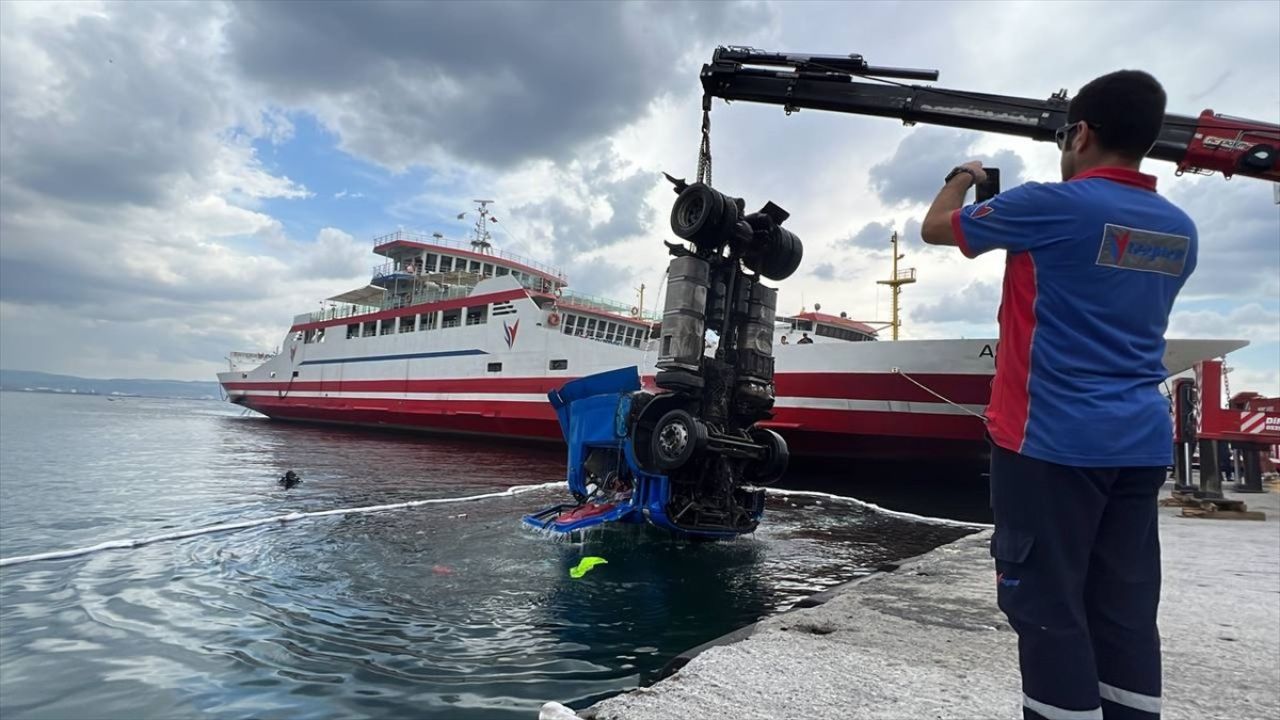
[338,312]
[616,307]
[403,236]
[427,295]
[455,277]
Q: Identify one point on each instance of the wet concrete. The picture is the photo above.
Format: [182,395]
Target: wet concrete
[927,641]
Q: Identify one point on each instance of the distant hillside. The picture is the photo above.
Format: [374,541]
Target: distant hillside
[46,382]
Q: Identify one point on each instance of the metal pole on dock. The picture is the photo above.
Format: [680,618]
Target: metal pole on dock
[1250,481]
[1182,469]
[1210,477]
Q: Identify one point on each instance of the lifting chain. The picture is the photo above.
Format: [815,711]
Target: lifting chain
[1226,381]
[704,151]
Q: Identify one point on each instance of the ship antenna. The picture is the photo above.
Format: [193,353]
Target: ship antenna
[481,240]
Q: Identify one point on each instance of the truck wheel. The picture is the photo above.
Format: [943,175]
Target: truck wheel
[676,437]
[774,463]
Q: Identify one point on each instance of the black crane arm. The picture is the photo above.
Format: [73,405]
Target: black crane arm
[1209,143]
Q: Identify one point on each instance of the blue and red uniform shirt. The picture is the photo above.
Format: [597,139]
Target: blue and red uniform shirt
[1093,267]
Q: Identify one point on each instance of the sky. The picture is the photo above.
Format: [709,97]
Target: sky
[179,180]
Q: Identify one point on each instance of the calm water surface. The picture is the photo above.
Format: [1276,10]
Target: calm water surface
[450,611]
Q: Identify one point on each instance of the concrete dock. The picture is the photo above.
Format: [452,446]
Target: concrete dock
[927,641]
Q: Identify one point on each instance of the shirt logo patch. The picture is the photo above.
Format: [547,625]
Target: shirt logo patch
[1144,250]
[983,211]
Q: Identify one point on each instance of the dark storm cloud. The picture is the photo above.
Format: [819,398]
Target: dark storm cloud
[914,174]
[135,115]
[486,82]
[975,303]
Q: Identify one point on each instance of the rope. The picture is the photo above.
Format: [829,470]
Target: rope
[659,297]
[243,525]
[944,399]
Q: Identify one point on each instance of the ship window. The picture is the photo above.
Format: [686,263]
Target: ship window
[477,315]
[495,367]
[502,271]
[295,373]
[431,262]
[610,332]
[569,321]
[559,365]
[452,318]
[407,322]
[309,337]
[488,270]
[427,321]
[475,266]
[353,330]
[631,335]
[446,263]
[388,326]
[320,335]
[591,327]
[370,328]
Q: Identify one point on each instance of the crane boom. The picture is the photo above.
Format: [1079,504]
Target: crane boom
[1208,143]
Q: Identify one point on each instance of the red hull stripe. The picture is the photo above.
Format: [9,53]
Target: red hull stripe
[808,431]
[963,389]
[1010,397]
[471,301]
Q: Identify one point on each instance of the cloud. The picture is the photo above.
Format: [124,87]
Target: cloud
[873,235]
[1253,322]
[584,213]
[914,173]
[824,271]
[344,194]
[151,162]
[412,83]
[1239,228]
[976,303]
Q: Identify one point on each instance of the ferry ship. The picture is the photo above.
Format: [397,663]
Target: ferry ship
[461,338]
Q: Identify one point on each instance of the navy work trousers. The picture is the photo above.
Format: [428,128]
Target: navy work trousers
[1077,555]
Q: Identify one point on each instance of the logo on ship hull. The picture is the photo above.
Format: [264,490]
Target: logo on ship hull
[510,331]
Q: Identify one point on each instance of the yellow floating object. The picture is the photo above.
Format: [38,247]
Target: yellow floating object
[586,564]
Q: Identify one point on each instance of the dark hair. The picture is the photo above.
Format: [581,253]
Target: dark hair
[1125,109]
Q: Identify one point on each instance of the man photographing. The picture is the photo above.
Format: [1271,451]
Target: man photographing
[1080,433]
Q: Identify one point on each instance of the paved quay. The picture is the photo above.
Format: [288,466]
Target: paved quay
[927,640]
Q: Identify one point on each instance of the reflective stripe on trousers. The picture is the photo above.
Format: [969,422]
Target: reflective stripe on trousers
[1056,713]
[1130,699]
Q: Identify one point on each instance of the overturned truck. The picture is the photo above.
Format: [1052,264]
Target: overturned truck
[689,457]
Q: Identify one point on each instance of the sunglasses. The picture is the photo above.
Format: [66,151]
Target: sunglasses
[1063,135]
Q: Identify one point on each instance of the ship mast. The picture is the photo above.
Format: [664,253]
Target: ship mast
[480,240]
[896,281]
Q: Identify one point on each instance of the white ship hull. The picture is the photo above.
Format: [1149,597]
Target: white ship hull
[890,400]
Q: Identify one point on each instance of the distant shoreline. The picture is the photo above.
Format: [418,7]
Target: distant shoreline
[32,381]
[111,395]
